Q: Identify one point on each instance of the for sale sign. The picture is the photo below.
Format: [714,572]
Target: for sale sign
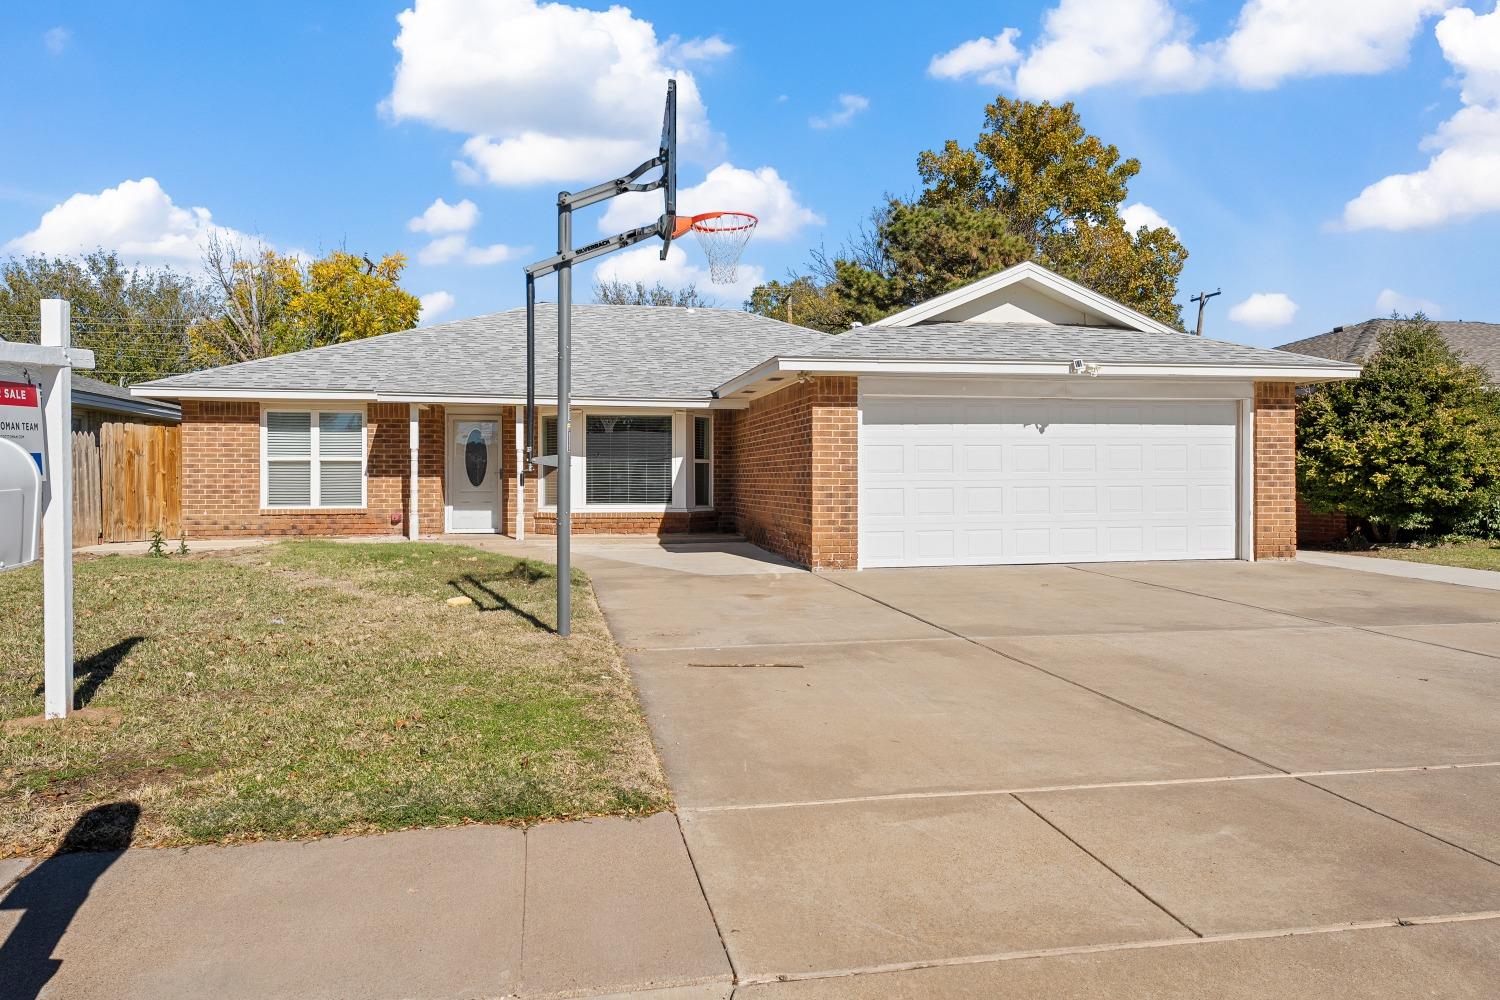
[21,420]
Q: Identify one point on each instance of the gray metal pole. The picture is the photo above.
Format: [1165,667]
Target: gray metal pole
[564,400]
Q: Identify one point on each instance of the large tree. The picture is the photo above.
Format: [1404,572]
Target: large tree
[1412,445]
[1034,186]
[134,319]
[269,303]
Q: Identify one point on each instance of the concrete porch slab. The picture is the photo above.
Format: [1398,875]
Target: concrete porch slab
[851,885]
[852,719]
[1255,855]
[1458,961]
[1299,699]
[984,601]
[428,913]
[1461,805]
[613,904]
[1341,596]
[650,609]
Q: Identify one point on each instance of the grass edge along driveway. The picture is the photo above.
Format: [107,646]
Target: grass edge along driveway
[315,688]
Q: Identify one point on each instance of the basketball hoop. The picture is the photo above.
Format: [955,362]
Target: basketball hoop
[723,236]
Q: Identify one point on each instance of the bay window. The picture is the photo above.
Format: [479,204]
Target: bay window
[313,458]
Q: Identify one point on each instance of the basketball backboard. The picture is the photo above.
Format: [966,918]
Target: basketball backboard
[669,169]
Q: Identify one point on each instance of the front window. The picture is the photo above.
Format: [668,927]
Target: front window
[703,495]
[313,458]
[628,459]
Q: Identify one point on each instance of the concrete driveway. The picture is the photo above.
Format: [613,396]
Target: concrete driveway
[1164,780]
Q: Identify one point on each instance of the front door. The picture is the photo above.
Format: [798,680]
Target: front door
[473,475]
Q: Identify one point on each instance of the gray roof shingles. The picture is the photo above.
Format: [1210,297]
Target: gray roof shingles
[1042,342]
[620,352]
[657,352]
[1478,343]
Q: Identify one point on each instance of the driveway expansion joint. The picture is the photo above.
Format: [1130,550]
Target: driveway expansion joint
[1306,780]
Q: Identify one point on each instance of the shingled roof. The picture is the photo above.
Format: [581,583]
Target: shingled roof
[1478,343]
[619,352]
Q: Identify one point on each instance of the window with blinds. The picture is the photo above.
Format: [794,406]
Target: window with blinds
[703,436]
[314,458]
[628,459]
[549,447]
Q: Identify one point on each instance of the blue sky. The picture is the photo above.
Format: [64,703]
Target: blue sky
[1323,162]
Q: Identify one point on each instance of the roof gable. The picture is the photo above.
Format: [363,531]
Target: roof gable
[1026,293]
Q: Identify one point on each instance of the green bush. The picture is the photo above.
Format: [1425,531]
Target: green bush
[1412,446]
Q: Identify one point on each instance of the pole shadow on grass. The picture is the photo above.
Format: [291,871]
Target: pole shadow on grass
[91,673]
[52,893]
[487,598]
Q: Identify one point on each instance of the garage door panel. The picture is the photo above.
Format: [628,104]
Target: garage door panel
[1025,481]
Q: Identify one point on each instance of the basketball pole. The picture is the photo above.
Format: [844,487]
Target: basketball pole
[564,417]
[562,266]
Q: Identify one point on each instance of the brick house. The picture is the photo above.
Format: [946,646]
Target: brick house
[1021,419]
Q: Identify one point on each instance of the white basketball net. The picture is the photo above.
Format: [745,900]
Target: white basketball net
[723,237]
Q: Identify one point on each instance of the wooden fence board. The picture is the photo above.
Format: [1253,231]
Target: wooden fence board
[135,472]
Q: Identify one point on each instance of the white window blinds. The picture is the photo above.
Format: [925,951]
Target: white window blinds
[314,458]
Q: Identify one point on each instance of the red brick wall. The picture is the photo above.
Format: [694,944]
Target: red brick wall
[1316,528]
[795,469]
[221,475]
[1275,470]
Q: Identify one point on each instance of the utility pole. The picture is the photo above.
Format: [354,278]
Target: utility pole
[1202,299]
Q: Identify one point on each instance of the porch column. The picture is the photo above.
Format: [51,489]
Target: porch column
[414,436]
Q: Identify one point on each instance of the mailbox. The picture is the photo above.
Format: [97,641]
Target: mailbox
[20,505]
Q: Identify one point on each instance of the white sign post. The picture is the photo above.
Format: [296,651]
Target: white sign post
[51,363]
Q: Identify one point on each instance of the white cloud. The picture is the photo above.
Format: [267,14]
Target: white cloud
[849,105]
[441,217]
[677,271]
[1137,214]
[1264,309]
[137,219]
[1277,39]
[696,49]
[434,304]
[547,92]
[727,188]
[456,247]
[1391,301]
[1091,43]
[988,60]
[1150,45]
[1459,181]
[56,39]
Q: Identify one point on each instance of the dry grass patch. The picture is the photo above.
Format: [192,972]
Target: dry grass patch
[313,688]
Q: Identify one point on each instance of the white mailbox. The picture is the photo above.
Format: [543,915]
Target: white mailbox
[20,505]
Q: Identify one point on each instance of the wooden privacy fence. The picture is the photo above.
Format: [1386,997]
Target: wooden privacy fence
[127,483]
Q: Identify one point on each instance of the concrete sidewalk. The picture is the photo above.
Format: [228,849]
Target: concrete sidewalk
[1464,577]
[591,908]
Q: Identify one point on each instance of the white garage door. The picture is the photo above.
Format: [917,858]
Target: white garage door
[971,481]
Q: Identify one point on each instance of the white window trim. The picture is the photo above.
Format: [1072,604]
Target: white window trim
[682,459]
[694,461]
[315,459]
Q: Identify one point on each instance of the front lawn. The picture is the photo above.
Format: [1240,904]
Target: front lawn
[313,688]
[1470,555]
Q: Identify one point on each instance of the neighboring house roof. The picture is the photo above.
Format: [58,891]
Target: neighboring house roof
[1478,343]
[92,394]
[619,352]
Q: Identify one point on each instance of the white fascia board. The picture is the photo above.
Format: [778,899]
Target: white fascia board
[697,403]
[1275,373]
[148,392]
[1085,297]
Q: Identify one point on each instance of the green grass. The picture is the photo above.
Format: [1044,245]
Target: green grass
[314,688]
[1470,555]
